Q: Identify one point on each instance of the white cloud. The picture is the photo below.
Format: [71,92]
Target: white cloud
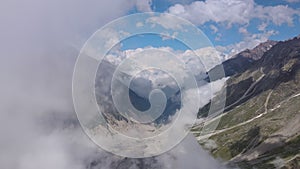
[177,9]
[190,156]
[239,12]
[213,28]
[262,27]
[144,5]
[39,45]
[249,41]
[167,36]
[243,30]
[233,12]
[200,12]
[139,24]
[209,57]
[199,60]
[166,21]
[277,14]
[111,37]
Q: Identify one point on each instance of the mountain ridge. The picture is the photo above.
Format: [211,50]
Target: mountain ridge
[260,124]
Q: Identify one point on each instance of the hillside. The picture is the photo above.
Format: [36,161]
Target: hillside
[260,127]
[243,60]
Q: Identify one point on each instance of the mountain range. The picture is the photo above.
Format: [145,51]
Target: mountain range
[260,126]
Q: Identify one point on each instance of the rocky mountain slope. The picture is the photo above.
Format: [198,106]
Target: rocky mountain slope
[243,60]
[260,127]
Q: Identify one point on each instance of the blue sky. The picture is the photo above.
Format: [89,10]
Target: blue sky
[278,20]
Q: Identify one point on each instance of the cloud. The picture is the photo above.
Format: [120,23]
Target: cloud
[166,21]
[262,27]
[45,21]
[243,31]
[233,12]
[277,14]
[39,44]
[144,5]
[200,12]
[240,13]
[209,57]
[167,36]
[292,1]
[111,37]
[189,155]
[213,28]
[249,41]
[139,24]
[198,61]
[40,41]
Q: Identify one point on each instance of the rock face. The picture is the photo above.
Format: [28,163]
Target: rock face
[260,126]
[257,52]
[244,60]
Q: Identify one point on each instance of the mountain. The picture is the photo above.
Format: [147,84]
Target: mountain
[260,127]
[257,52]
[243,60]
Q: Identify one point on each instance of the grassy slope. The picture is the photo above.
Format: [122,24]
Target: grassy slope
[268,141]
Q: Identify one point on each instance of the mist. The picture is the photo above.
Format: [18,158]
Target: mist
[40,41]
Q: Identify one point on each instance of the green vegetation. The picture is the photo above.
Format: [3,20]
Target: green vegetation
[262,128]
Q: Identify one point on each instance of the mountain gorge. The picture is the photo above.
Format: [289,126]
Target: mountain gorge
[260,126]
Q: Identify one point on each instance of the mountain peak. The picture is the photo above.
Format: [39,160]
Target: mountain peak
[243,60]
[257,52]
